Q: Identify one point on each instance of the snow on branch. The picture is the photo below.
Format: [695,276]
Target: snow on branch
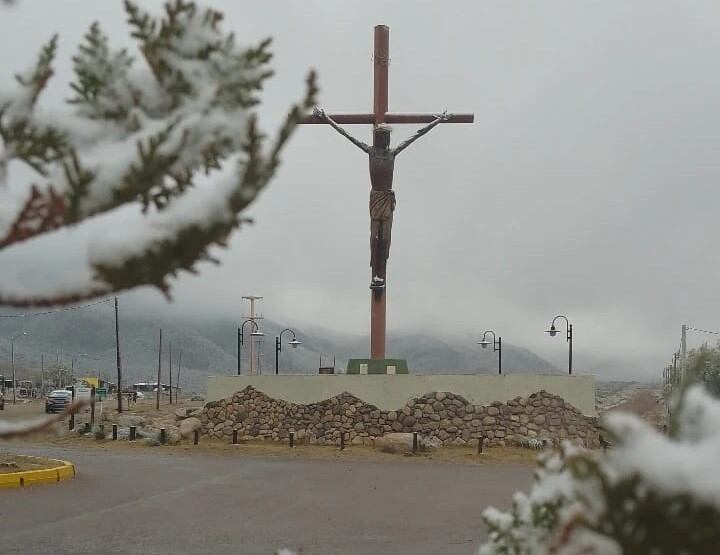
[651,493]
[29,427]
[172,132]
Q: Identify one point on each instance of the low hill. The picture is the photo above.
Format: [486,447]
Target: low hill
[208,346]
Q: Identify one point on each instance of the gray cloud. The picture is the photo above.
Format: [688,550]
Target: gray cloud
[587,186]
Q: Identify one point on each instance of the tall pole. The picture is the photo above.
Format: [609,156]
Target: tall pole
[157,396]
[42,373]
[117,356]
[12,362]
[177,385]
[253,316]
[499,349]
[170,367]
[570,338]
[381,63]
[683,350]
[258,368]
[239,351]
[277,355]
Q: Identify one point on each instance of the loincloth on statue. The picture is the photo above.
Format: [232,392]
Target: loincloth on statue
[382,204]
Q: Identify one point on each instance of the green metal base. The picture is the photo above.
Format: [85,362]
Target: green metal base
[377,366]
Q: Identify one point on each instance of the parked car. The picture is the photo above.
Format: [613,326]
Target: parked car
[2,401]
[58,400]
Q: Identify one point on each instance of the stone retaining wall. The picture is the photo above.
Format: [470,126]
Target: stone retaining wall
[447,416]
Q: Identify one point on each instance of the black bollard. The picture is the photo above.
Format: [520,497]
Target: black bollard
[292,439]
[163,436]
[71,425]
[87,428]
[132,433]
[481,440]
[415,442]
[235,437]
[115,429]
[196,437]
[342,441]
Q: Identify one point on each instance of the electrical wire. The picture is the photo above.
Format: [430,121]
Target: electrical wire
[64,309]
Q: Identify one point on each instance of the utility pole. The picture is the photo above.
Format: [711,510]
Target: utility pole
[253,316]
[683,350]
[177,386]
[42,373]
[12,361]
[157,397]
[117,354]
[170,366]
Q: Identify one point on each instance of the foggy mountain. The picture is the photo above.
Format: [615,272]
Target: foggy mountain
[208,346]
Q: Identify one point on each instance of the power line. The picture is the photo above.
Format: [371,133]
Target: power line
[704,331]
[55,311]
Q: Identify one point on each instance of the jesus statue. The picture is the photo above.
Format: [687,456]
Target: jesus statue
[382,196]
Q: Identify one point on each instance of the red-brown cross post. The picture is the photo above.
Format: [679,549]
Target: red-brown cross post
[381,61]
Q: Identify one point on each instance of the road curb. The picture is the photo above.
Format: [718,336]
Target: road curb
[63,471]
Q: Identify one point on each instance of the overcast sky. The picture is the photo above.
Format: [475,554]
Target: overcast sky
[587,186]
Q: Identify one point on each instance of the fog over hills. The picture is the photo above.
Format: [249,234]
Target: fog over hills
[209,346]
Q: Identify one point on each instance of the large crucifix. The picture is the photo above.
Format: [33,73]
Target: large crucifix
[382,165]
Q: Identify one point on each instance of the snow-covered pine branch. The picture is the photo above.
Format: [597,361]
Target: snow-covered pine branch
[173,132]
[32,426]
[651,494]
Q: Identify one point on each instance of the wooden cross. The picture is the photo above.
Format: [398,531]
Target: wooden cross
[380,115]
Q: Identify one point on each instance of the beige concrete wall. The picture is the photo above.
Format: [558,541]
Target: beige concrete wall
[393,392]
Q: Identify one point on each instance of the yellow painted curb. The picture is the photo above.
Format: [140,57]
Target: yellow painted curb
[63,471]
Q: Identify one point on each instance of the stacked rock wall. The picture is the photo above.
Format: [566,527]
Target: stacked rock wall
[446,416]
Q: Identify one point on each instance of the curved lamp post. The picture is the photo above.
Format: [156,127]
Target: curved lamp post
[569,331]
[241,334]
[497,347]
[278,345]
[12,361]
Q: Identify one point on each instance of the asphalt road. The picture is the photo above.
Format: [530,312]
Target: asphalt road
[154,502]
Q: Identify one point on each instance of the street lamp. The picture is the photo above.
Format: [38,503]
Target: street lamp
[552,331]
[497,347]
[278,345]
[241,333]
[12,361]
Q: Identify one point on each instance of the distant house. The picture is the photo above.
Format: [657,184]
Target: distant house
[151,387]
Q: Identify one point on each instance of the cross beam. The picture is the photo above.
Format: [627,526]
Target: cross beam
[381,63]
[351,119]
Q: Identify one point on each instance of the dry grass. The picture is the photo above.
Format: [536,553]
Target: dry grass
[20,463]
[644,403]
[272,449]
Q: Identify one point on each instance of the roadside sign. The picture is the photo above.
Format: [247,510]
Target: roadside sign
[101,393]
[82,393]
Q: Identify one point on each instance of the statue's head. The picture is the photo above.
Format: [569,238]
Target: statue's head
[381,135]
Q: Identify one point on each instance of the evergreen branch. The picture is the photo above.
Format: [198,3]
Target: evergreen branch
[99,76]
[62,299]
[201,117]
[41,213]
[30,427]
[37,80]
[293,118]
[79,180]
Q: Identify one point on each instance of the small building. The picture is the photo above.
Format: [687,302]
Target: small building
[151,387]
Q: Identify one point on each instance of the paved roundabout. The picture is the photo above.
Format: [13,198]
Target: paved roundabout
[156,501]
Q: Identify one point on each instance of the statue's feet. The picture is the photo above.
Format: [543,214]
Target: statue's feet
[377,283]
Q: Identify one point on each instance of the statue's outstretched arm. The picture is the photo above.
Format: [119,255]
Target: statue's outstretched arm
[406,143]
[319,112]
